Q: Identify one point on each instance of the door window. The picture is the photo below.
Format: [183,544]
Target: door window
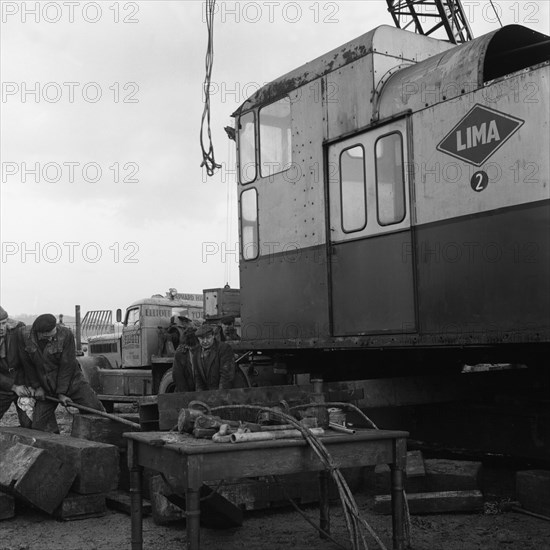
[390,181]
[353,189]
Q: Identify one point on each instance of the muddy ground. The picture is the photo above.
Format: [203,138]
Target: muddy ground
[497,528]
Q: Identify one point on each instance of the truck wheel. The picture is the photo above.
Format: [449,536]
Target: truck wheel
[167,384]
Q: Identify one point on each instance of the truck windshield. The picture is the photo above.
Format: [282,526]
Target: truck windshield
[132,317]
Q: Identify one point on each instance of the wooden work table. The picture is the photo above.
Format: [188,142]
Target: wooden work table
[193,461]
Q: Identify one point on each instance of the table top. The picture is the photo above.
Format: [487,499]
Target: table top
[187,444]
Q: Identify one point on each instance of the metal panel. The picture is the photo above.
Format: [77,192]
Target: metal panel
[384,39]
[485,274]
[372,285]
[291,203]
[518,171]
[294,303]
[348,96]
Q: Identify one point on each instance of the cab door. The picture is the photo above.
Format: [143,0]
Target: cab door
[131,338]
[371,257]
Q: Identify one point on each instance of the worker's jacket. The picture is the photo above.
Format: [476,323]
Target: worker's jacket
[193,371]
[54,367]
[10,371]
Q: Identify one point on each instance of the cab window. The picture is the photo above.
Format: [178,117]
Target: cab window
[275,138]
[247,148]
[132,317]
[249,224]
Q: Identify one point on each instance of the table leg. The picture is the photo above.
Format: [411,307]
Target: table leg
[135,497]
[397,506]
[324,505]
[192,513]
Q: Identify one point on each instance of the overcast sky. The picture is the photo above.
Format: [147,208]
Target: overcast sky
[103,200]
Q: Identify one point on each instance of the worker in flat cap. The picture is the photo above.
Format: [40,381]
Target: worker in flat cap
[182,373]
[12,385]
[228,329]
[48,354]
[208,366]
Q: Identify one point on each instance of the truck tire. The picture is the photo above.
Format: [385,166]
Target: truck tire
[167,384]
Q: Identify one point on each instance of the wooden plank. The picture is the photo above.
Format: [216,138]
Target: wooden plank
[75,506]
[120,501]
[441,502]
[533,490]
[96,464]
[378,481]
[102,430]
[451,475]
[7,506]
[415,464]
[34,475]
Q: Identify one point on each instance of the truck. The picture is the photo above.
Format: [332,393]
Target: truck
[136,361]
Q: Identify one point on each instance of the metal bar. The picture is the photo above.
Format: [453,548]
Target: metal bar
[78,329]
[99,413]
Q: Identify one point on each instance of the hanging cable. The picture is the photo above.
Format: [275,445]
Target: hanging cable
[496,12]
[208,160]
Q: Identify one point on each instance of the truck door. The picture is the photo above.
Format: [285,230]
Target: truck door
[131,338]
[371,263]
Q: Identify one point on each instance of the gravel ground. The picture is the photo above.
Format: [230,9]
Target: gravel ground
[275,528]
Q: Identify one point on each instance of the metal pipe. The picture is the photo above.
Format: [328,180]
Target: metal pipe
[99,413]
[266,436]
[78,329]
[340,428]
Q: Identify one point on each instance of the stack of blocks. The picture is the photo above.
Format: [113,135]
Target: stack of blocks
[61,475]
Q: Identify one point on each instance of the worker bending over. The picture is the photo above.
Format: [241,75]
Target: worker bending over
[48,354]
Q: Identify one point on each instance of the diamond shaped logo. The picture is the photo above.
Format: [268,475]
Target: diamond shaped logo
[479,135]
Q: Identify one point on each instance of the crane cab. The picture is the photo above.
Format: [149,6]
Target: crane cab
[362,172]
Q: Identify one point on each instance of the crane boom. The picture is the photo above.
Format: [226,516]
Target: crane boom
[448,14]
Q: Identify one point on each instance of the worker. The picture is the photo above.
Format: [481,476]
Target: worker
[182,372]
[12,385]
[210,365]
[228,329]
[48,354]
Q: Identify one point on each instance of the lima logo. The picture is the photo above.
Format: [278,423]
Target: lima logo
[479,134]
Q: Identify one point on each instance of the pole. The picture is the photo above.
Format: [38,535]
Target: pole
[99,413]
[78,328]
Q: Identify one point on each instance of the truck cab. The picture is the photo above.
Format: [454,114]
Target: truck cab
[149,322]
[132,362]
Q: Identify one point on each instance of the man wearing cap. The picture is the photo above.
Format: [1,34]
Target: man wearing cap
[11,375]
[208,366]
[182,372]
[228,329]
[48,355]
